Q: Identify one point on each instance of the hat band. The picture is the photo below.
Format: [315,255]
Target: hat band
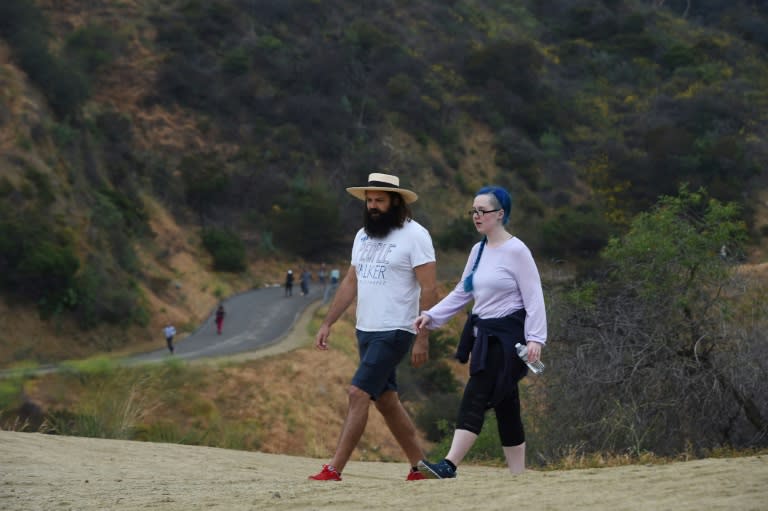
[382,184]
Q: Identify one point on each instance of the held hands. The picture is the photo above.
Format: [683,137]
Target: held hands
[321,339]
[421,323]
[420,351]
[534,351]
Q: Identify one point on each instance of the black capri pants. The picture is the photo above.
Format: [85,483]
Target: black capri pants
[477,396]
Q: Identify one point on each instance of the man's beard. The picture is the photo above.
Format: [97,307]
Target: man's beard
[381,225]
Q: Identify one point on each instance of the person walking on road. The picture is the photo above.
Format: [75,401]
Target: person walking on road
[289,283]
[322,275]
[305,278]
[170,332]
[392,275]
[220,313]
[503,280]
[335,275]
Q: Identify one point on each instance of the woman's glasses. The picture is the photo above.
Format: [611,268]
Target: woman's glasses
[480,212]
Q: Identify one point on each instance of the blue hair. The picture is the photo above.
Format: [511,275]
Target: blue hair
[468,285]
[505,202]
[502,197]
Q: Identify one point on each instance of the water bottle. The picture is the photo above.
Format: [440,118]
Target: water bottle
[522,352]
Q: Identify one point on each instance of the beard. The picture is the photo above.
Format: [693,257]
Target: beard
[379,226]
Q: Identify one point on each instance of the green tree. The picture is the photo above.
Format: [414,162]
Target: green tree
[227,249]
[306,222]
[655,355]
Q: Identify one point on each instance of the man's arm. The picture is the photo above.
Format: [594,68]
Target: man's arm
[426,274]
[345,294]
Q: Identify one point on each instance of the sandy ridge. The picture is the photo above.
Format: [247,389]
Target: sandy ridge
[45,472]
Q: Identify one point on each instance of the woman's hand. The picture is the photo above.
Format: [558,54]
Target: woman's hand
[534,351]
[421,322]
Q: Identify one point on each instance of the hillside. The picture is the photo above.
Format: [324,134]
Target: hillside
[157,156]
[44,472]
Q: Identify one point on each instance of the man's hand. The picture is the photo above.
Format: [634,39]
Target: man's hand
[321,339]
[420,351]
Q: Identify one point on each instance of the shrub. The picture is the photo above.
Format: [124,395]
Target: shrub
[460,234]
[575,232]
[106,295]
[654,356]
[306,222]
[437,416]
[92,47]
[227,249]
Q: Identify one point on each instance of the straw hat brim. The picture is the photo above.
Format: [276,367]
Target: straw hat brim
[359,192]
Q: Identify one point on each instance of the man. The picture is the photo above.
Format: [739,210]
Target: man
[169,331]
[331,289]
[392,275]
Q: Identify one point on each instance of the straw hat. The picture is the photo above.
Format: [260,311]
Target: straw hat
[383,183]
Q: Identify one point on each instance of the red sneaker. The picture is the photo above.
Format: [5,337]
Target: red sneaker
[328,474]
[415,476]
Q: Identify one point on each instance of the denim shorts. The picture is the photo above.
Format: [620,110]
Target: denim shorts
[380,353]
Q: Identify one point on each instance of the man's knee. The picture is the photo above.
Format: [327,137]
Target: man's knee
[388,402]
[356,395]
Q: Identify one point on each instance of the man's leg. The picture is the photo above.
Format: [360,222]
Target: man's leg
[400,425]
[354,426]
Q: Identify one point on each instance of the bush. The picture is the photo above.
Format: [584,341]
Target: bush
[460,234]
[92,47]
[492,63]
[437,416]
[575,232]
[37,261]
[654,356]
[227,249]
[106,295]
[306,222]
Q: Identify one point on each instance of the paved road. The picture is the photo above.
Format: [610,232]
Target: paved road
[254,320]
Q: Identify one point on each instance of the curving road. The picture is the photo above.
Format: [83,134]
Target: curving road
[254,320]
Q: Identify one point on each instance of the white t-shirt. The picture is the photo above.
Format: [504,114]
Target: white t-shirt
[387,289]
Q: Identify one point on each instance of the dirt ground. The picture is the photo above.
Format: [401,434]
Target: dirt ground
[43,472]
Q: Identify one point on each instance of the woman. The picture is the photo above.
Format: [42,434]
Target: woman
[502,279]
[220,318]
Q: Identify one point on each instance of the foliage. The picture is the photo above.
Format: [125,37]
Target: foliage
[102,294]
[436,380]
[92,47]
[306,222]
[575,232]
[652,355]
[460,234]
[204,182]
[36,264]
[226,248]
[25,28]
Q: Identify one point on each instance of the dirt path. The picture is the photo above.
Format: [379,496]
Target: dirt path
[43,472]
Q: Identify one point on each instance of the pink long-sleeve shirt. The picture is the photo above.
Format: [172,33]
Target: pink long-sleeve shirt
[506,280]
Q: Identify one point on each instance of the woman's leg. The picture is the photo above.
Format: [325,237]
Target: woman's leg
[462,442]
[511,432]
[515,458]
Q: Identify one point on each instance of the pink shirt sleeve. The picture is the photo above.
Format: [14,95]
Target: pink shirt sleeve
[506,280]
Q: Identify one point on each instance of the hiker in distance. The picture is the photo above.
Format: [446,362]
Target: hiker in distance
[502,278]
[392,276]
